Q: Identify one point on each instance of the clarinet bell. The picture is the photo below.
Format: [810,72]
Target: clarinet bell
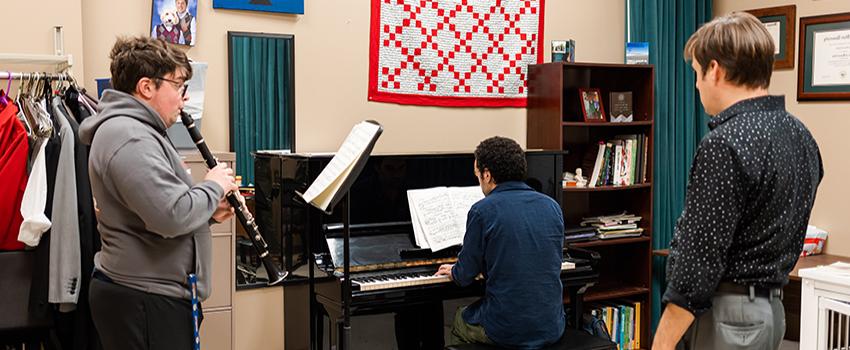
[276,275]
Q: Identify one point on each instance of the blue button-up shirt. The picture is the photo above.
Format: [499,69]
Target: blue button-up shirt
[515,238]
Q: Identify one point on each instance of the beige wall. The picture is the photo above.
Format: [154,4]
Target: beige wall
[28,29]
[828,122]
[331,60]
[258,317]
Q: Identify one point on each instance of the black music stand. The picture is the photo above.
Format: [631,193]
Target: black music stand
[344,336]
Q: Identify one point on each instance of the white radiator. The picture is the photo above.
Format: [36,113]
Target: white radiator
[825,308]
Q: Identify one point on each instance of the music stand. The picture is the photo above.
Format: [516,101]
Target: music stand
[342,194]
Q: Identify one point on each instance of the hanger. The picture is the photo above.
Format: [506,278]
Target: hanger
[4,95]
[22,100]
[39,100]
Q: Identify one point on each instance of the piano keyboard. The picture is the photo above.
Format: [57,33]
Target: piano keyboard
[408,278]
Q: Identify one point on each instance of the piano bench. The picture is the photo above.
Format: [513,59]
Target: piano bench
[571,340]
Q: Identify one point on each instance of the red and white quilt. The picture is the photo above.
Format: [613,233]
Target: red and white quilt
[471,53]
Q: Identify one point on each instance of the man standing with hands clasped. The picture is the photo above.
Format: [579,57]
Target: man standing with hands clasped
[750,193]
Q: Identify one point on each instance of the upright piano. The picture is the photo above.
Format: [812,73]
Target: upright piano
[388,271]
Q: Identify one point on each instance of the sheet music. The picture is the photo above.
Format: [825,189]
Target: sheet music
[418,235]
[439,214]
[463,198]
[329,181]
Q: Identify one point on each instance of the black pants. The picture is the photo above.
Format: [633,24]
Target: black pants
[420,327]
[129,319]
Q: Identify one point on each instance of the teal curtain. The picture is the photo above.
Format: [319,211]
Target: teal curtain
[680,121]
[262,105]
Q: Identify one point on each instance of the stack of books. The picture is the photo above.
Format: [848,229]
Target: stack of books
[614,226]
[623,321]
[621,161]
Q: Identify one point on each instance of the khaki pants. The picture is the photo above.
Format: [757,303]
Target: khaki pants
[737,321]
[465,333]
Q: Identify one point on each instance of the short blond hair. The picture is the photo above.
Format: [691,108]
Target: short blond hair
[740,44]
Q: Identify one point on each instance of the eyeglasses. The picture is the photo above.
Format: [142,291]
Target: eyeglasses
[180,87]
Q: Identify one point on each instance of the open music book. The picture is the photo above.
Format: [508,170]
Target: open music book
[344,167]
[438,214]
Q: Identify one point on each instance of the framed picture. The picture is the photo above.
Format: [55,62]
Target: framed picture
[174,21]
[824,67]
[591,105]
[559,50]
[283,6]
[781,24]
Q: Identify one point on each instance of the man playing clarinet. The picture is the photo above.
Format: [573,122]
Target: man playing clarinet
[153,222]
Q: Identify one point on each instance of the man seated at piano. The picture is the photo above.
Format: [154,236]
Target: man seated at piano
[514,239]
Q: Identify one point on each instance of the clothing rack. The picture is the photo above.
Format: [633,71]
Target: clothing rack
[18,76]
[18,268]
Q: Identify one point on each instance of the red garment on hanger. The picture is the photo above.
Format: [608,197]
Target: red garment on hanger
[13,176]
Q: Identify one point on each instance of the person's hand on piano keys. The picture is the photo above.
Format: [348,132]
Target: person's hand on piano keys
[445,270]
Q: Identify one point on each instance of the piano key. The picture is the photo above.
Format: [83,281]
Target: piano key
[398,279]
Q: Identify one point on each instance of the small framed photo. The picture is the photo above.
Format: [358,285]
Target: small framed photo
[824,67]
[559,50]
[591,105]
[174,21]
[781,24]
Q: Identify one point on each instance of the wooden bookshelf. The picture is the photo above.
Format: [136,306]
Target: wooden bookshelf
[612,241]
[611,292]
[554,122]
[607,188]
[608,125]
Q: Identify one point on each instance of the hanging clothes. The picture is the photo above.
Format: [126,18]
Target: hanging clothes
[13,176]
[84,334]
[35,223]
[65,247]
[34,201]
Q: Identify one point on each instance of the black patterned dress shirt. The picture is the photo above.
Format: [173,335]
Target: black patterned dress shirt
[750,193]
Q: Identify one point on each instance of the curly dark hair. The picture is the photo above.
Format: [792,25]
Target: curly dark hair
[139,57]
[503,157]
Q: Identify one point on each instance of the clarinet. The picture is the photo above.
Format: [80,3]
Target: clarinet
[235,199]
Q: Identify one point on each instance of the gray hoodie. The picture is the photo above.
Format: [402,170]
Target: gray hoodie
[153,223]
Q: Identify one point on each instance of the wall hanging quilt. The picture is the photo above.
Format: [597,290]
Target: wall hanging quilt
[471,53]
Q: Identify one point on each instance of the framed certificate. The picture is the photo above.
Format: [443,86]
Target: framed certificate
[824,72]
[781,24]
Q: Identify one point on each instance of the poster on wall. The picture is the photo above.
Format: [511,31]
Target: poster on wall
[284,6]
[174,21]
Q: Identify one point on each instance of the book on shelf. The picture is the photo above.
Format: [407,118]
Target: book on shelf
[610,220]
[620,161]
[614,227]
[622,225]
[620,107]
[623,321]
[438,214]
[636,232]
[600,156]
